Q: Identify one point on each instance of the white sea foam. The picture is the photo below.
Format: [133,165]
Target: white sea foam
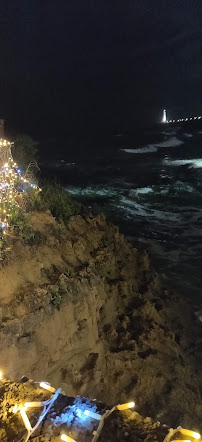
[188,135]
[147,149]
[172,132]
[195,163]
[93,191]
[132,207]
[171,142]
[144,190]
[143,210]
[179,186]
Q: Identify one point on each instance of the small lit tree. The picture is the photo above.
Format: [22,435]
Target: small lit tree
[12,184]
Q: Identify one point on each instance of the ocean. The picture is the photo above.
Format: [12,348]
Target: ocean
[149,183]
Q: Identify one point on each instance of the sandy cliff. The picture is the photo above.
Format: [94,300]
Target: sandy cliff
[85,311]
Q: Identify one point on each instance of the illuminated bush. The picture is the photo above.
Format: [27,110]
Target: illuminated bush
[32,200]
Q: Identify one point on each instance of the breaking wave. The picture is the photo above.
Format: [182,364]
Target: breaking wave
[188,135]
[135,209]
[172,132]
[147,149]
[171,142]
[93,192]
[143,190]
[195,163]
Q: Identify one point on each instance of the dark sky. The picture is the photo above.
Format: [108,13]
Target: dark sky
[79,65]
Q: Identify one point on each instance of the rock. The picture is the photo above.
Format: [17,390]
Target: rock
[24,340]
[13,327]
[21,310]
[63,282]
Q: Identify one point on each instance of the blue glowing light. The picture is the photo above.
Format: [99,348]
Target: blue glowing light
[18,170]
[78,412]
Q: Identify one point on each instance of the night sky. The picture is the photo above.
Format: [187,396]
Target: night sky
[82,66]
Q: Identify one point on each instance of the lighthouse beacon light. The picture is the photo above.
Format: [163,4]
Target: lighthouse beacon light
[164,120]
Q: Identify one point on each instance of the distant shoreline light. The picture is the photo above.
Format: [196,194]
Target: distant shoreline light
[179,120]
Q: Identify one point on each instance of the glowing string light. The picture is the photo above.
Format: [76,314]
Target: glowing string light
[190,433]
[33,404]
[67,438]
[47,386]
[46,407]
[120,407]
[184,431]
[125,406]
[92,414]
[25,419]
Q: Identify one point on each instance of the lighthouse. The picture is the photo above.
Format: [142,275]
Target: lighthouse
[164,119]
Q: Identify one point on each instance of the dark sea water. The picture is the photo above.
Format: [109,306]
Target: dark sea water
[150,184]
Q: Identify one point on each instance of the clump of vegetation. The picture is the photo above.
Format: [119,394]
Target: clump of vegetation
[19,224]
[55,198]
[31,200]
[4,248]
[56,300]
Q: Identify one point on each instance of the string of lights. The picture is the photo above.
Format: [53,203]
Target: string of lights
[46,408]
[22,408]
[12,184]
[164,119]
[184,432]
[48,404]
